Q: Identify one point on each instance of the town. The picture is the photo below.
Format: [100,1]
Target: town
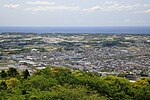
[124,55]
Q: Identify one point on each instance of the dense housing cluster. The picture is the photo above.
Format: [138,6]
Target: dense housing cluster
[124,55]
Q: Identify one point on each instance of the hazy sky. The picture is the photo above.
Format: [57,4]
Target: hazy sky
[74,12]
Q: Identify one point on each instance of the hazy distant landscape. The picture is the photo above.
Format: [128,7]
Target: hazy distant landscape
[102,53]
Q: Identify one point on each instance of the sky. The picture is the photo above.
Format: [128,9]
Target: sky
[74,12]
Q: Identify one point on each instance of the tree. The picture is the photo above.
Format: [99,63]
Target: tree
[41,82]
[143,93]
[3,85]
[3,74]
[11,83]
[67,92]
[3,95]
[119,88]
[142,89]
[12,72]
[26,74]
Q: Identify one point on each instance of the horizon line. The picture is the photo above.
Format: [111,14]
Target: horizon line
[77,26]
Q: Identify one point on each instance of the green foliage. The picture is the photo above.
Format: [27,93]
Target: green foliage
[41,82]
[3,95]
[112,43]
[119,88]
[143,93]
[12,72]
[47,72]
[26,74]
[16,97]
[67,92]
[63,84]
[11,83]
[141,82]
[3,74]
[142,89]
[3,85]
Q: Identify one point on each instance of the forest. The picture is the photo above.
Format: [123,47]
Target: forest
[56,83]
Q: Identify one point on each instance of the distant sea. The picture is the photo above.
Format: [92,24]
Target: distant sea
[98,29]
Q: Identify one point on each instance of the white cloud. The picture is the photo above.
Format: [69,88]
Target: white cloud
[147,5]
[110,2]
[11,5]
[52,8]
[112,6]
[49,6]
[147,11]
[127,21]
[144,11]
[41,3]
[93,9]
